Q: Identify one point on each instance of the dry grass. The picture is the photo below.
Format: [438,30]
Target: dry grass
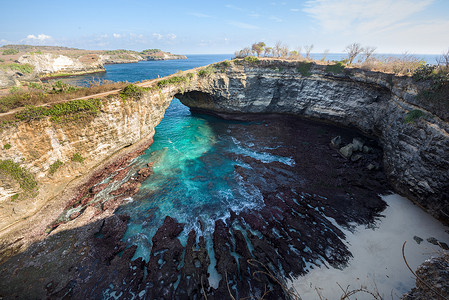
[37,94]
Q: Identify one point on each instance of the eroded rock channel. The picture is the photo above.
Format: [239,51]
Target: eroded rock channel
[288,193]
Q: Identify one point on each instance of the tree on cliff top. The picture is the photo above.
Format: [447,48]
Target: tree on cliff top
[258,48]
[353,50]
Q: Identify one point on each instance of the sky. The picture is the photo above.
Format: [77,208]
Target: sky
[222,27]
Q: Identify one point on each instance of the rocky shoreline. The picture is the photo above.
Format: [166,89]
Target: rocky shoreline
[415,161]
[86,256]
[44,62]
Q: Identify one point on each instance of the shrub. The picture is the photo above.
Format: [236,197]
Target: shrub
[60,87]
[226,63]
[7,146]
[251,59]
[423,72]
[132,91]
[25,68]
[59,110]
[35,85]
[172,80]
[25,179]
[44,93]
[304,68]
[336,68]
[413,115]
[14,89]
[206,71]
[10,51]
[55,166]
[77,157]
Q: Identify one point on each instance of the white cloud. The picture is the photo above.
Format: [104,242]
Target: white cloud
[116,35]
[41,37]
[243,25]
[168,37]
[294,9]
[157,36]
[392,25]
[362,16]
[171,36]
[276,19]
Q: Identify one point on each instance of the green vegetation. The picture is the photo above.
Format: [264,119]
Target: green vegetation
[132,91]
[14,89]
[413,115]
[119,51]
[7,146]
[222,65]
[304,68]
[55,166]
[150,51]
[336,68]
[438,76]
[25,68]
[172,80]
[70,111]
[53,92]
[25,179]
[251,59]
[60,87]
[206,71]
[226,63]
[77,157]
[10,51]
[36,86]
[437,95]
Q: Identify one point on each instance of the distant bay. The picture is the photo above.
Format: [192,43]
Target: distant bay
[145,70]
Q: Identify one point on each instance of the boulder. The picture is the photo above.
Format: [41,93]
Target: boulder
[347,150]
[336,142]
[357,144]
[356,157]
[367,149]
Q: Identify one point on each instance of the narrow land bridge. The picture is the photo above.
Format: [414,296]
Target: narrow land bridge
[416,152]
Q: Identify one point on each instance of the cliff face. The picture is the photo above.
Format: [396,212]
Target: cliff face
[416,151]
[36,145]
[48,63]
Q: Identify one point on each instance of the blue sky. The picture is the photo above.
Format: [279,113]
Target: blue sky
[187,27]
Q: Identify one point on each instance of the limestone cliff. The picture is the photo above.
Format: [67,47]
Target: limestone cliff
[416,151]
[54,64]
[36,145]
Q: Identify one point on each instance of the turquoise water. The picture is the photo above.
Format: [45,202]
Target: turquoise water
[193,177]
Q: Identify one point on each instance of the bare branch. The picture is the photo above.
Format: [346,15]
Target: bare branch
[353,50]
[308,49]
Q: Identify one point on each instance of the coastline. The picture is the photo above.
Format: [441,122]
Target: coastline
[18,236]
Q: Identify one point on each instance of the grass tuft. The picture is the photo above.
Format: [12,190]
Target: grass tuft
[336,68]
[25,179]
[413,115]
[77,157]
[55,166]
